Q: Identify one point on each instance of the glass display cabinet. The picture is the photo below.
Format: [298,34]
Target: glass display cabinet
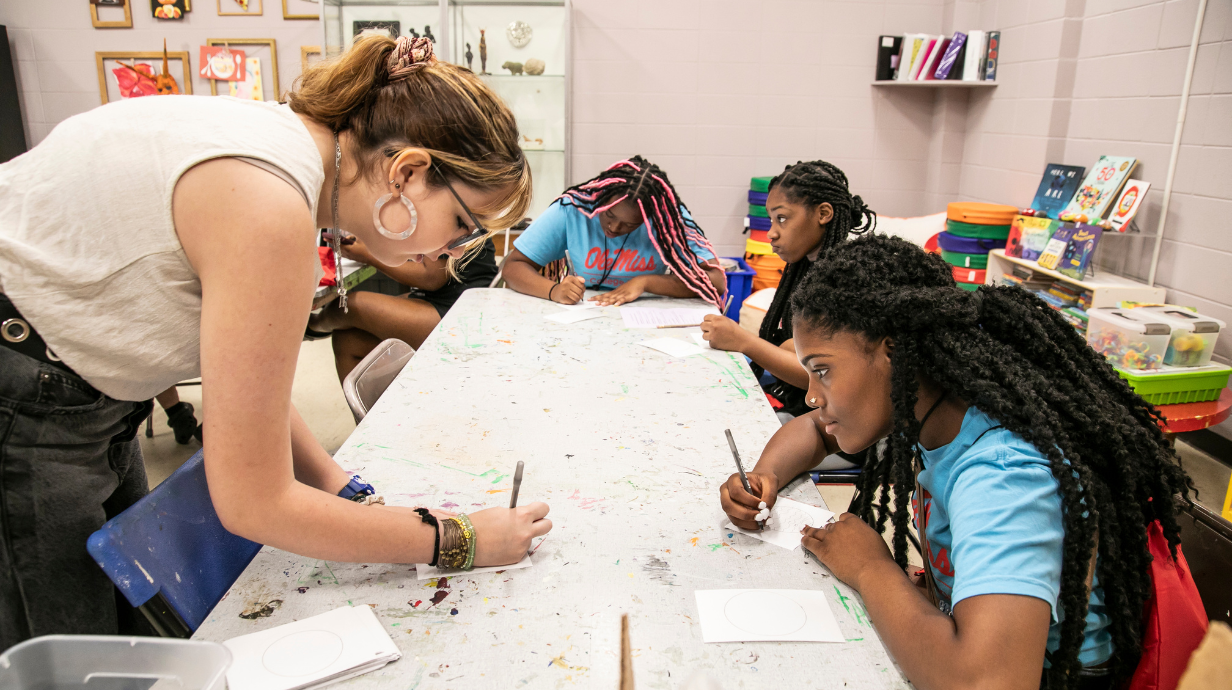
[520,49]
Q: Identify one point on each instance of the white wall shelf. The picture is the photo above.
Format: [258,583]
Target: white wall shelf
[1107,289]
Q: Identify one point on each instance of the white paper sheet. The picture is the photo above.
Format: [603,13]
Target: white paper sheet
[789,518]
[311,652]
[573,316]
[766,615]
[584,304]
[423,571]
[673,347]
[649,317]
[700,339]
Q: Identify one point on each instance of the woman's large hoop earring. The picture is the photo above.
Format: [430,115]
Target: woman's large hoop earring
[410,208]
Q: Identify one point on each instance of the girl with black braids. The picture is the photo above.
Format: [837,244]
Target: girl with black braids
[623,230]
[811,210]
[1039,472]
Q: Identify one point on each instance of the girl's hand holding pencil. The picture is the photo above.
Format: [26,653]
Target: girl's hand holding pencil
[742,506]
[569,291]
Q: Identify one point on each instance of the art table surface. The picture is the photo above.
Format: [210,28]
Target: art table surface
[626,445]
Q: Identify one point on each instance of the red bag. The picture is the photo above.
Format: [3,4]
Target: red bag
[330,278]
[1175,620]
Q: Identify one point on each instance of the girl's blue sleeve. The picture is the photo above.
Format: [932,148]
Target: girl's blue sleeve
[547,238]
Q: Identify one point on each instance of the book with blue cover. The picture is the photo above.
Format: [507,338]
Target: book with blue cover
[1079,250]
[1056,188]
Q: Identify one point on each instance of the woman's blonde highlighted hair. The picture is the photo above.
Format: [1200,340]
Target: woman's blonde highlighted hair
[442,108]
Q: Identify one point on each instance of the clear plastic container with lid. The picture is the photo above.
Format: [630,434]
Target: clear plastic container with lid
[1127,343]
[1193,334]
[102,662]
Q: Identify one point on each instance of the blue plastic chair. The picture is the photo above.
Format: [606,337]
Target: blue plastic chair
[169,554]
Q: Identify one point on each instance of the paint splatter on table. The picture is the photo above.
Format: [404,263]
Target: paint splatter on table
[626,444]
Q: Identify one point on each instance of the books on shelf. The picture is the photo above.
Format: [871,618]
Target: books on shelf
[1098,190]
[1079,250]
[923,57]
[1028,236]
[1051,256]
[1056,188]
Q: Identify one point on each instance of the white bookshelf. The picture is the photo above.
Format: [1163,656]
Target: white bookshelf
[1107,289]
[937,84]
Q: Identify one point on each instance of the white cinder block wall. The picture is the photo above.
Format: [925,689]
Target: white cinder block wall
[717,91]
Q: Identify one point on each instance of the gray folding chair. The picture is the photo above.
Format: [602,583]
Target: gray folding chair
[369,379]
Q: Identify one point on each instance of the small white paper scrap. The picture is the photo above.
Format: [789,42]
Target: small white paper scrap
[673,347]
[423,571]
[312,652]
[766,615]
[789,517]
[573,316]
[649,317]
[700,339]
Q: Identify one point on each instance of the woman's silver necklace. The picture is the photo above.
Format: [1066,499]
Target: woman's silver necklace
[337,241]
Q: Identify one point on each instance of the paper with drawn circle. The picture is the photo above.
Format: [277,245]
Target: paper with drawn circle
[302,653]
[765,613]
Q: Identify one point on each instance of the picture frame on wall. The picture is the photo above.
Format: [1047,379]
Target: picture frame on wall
[308,56]
[111,88]
[264,51]
[110,7]
[170,9]
[301,9]
[240,8]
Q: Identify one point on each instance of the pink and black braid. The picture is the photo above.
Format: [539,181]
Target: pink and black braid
[647,187]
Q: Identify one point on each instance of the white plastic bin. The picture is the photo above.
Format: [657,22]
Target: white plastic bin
[100,662]
[1193,334]
[1125,341]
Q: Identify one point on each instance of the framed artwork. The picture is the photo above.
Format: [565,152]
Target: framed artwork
[258,84]
[301,9]
[126,74]
[308,56]
[110,8]
[392,27]
[240,8]
[170,9]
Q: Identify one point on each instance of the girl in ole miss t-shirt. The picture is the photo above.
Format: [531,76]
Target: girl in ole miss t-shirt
[625,231]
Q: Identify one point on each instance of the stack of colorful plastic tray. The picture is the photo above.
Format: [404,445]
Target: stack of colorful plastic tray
[972,230]
[757,251]
[758,221]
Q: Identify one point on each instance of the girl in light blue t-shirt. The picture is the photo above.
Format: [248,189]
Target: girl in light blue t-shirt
[626,231]
[1036,472]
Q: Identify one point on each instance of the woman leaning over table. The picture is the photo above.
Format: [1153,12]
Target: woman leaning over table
[126,240]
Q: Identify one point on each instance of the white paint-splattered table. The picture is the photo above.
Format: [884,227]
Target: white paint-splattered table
[626,444]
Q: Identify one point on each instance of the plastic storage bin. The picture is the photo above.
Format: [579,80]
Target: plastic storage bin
[1193,335]
[739,286]
[1175,385]
[101,662]
[1126,342]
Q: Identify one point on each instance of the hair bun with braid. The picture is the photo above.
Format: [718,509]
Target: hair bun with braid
[863,218]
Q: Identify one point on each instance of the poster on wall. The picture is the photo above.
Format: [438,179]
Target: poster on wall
[222,63]
[240,8]
[260,81]
[123,75]
[170,9]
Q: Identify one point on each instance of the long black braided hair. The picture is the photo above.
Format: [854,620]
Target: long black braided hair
[646,186]
[810,183]
[1008,354]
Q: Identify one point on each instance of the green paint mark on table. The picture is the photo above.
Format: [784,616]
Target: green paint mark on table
[498,476]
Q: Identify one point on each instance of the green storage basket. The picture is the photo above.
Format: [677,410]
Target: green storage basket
[981,232]
[1171,387]
[759,211]
[760,184]
[977,261]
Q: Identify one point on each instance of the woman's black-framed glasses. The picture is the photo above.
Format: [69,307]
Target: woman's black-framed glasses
[475,235]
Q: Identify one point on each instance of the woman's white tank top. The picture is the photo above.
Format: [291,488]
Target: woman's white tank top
[88,250]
